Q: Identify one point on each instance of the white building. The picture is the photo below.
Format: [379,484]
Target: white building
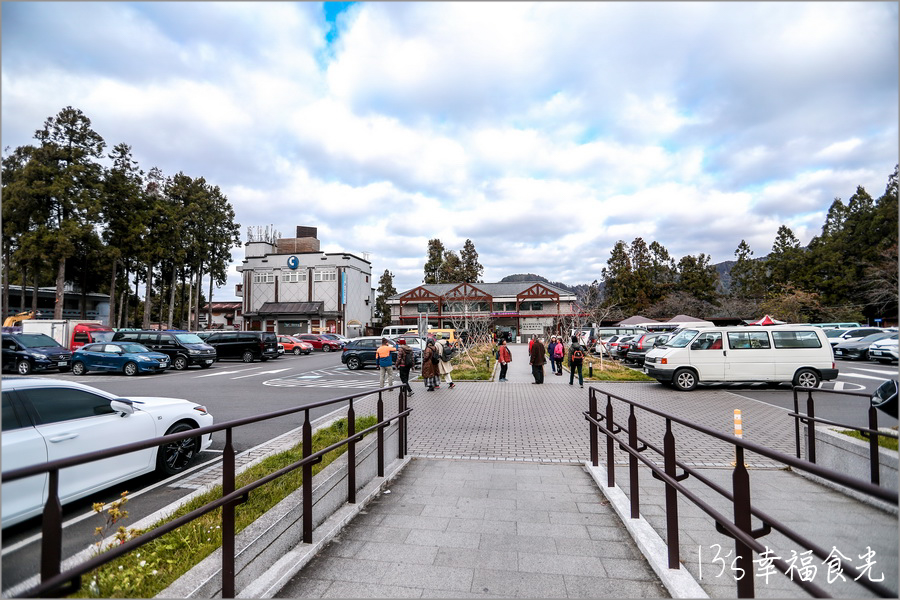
[289,286]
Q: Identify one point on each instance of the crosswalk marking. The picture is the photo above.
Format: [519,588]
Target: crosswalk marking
[262,373]
[323,383]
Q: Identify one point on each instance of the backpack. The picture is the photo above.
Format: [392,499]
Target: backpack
[447,353]
[409,359]
[558,351]
[577,355]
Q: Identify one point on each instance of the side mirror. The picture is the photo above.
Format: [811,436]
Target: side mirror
[121,405]
[885,397]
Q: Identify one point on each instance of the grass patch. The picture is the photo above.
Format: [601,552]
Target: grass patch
[148,570]
[475,364]
[611,371]
[885,442]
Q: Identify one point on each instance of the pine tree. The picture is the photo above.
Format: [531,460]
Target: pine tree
[471,268]
[386,289]
[434,262]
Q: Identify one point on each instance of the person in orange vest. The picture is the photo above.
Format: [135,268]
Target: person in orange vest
[385,361]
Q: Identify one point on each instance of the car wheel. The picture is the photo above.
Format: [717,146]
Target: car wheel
[23,367]
[326,348]
[248,356]
[353,363]
[807,378]
[174,457]
[684,380]
[180,363]
[78,368]
[130,369]
[297,350]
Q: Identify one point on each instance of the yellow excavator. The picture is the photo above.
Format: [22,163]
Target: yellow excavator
[16,320]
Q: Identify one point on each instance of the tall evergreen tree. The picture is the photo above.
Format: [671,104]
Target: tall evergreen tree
[434,261]
[698,278]
[472,269]
[784,262]
[385,290]
[617,277]
[451,270]
[746,274]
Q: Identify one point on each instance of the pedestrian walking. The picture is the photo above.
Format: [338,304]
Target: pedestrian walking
[576,360]
[538,358]
[504,357]
[430,365]
[406,360]
[445,353]
[551,353]
[385,362]
[559,353]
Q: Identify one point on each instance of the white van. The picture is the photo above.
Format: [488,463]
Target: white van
[395,330]
[799,354]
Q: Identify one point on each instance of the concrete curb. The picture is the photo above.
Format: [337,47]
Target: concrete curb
[275,578]
[679,582]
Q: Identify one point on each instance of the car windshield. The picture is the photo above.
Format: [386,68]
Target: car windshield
[682,339]
[330,336]
[134,348]
[874,337]
[188,338]
[36,340]
[833,333]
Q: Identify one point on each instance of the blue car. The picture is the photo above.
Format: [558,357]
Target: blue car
[125,357]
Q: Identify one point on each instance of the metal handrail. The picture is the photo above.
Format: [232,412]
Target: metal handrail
[740,529]
[810,420]
[56,583]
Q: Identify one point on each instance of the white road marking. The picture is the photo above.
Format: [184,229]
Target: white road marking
[865,376]
[262,373]
[226,372]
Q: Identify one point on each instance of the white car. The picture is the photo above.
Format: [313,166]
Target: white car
[884,350]
[47,419]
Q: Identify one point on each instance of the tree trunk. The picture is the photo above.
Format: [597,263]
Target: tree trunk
[34,290]
[182,304]
[60,288]
[209,303]
[190,300]
[162,298]
[5,307]
[132,321]
[125,291]
[112,294]
[197,297]
[147,303]
[84,286]
[171,319]
[24,287]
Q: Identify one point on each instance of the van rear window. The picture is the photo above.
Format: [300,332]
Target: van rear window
[796,339]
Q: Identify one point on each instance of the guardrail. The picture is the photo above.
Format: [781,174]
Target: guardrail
[738,529]
[809,419]
[55,583]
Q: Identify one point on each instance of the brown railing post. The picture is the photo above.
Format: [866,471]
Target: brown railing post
[671,498]
[873,445]
[743,553]
[401,405]
[351,454]
[810,428]
[228,518]
[51,530]
[307,481]
[797,422]
[610,459]
[380,416]
[592,411]
[633,465]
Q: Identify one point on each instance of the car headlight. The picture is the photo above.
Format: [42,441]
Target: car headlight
[145,358]
[192,351]
[40,356]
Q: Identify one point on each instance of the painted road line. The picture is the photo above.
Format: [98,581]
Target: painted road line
[226,372]
[886,376]
[263,373]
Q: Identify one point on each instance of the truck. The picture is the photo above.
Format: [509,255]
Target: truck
[71,333]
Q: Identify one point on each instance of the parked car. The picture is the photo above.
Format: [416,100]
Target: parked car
[182,347]
[27,352]
[837,336]
[641,345]
[245,345]
[858,348]
[319,342]
[623,345]
[125,357]
[293,345]
[884,350]
[885,397]
[610,345]
[337,337]
[46,419]
[360,352]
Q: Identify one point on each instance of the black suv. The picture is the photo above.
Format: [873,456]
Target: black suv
[246,345]
[183,349]
[27,352]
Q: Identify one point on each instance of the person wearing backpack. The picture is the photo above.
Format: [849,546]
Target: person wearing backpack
[576,360]
[406,360]
[559,353]
[385,360]
[445,353]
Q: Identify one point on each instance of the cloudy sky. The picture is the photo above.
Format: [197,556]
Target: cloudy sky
[543,132]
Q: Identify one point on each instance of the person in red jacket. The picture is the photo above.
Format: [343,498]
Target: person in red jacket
[504,357]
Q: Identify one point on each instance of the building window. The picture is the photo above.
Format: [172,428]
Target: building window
[324,275]
[426,307]
[293,276]
[263,277]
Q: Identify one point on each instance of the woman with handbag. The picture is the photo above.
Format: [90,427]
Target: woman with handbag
[430,361]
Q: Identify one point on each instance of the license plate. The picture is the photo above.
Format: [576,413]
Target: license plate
[62,363]
[209,361]
[875,352]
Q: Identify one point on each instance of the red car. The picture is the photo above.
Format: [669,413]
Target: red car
[318,342]
[292,344]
